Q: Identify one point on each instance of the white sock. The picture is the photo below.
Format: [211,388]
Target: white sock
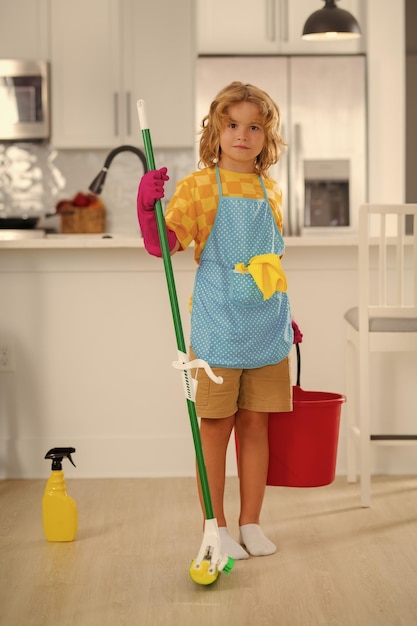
[255,542]
[230,547]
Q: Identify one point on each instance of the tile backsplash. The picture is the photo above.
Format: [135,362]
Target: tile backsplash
[29,179]
[37,176]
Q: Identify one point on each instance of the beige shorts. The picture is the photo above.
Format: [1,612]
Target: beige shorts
[267,389]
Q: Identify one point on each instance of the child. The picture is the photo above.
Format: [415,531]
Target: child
[240,321]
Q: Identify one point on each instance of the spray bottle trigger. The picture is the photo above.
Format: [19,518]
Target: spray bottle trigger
[70,457]
[57,454]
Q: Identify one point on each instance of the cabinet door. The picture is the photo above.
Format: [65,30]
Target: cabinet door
[106,54]
[238,26]
[24,29]
[159,60]
[85,60]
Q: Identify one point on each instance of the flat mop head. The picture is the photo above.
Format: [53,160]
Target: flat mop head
[209,563]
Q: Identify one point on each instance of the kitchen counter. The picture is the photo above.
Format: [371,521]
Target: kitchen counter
[115,241]
[124,241]
[90,325]
[49,242]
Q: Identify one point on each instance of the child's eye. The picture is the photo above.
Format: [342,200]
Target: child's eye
[232,125]
[254,127]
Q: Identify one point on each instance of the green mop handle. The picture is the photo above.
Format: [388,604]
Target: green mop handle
[166,257]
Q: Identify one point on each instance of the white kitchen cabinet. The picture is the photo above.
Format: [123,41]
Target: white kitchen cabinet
[159,64]
[85,81]
[267,27]
[24,29]
[105,55]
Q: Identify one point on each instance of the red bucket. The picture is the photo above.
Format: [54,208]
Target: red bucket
[303,442]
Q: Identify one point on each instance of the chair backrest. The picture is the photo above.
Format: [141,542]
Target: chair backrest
[388,260]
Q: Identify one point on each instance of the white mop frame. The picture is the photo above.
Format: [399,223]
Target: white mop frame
[190,383]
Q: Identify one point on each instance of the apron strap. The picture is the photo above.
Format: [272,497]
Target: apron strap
[264,188]
[219,183]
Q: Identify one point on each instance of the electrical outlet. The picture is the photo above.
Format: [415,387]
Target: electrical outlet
[6,356]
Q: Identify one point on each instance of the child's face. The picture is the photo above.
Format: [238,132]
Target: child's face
[242,138]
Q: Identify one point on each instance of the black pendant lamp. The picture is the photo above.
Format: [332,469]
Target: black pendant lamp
[331,24]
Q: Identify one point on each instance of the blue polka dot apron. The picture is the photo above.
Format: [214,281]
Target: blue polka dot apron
[233,324]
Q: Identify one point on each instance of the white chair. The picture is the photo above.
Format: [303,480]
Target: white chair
[385,320]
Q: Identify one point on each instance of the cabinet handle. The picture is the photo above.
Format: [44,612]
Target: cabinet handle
[271,34]
[116,113]
[284,21]
[298,177]
[128,110]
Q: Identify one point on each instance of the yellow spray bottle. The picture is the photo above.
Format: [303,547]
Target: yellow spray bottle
[59,511]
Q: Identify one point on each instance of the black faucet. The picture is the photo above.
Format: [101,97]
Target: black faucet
[98,183]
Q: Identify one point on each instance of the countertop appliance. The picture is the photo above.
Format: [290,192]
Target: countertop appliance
[24,100]
[322,99]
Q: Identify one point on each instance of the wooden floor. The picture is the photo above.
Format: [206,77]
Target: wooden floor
[337,564]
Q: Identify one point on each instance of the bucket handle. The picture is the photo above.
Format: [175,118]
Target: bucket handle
[297,347]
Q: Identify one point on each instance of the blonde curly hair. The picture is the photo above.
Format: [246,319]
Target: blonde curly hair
[213,124]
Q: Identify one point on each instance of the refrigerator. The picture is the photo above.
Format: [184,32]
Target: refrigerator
[322,99]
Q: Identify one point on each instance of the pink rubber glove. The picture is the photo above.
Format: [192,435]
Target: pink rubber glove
[151,189]
[298,335]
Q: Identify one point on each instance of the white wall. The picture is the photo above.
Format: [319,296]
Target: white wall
[386,99]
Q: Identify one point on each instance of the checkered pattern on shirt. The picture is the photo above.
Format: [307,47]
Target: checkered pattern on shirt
[192,210]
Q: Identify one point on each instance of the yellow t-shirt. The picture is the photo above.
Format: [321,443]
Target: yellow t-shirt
[192,209]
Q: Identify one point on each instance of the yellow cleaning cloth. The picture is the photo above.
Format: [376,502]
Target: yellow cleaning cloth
[267,272]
